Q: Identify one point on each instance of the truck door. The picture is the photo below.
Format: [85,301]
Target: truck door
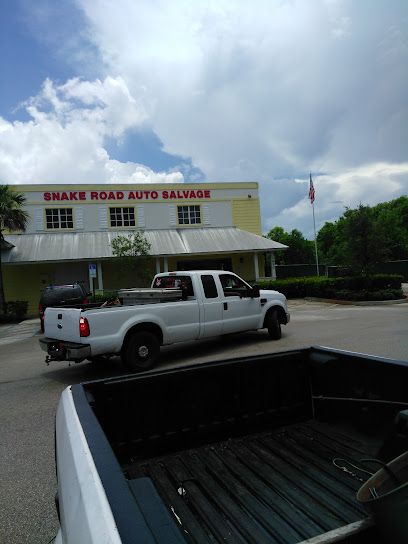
[240,311]
[211,324]
[182,319]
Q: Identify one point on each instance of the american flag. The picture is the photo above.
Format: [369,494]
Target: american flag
[311,190]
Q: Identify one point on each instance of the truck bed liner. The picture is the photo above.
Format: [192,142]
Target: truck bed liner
[278,486]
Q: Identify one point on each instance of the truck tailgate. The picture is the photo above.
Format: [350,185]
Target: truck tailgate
[62,324]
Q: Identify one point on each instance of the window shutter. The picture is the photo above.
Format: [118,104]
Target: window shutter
[103,218]
[39,219]
[141,222]
[79,218]
[172,216]
[206,215]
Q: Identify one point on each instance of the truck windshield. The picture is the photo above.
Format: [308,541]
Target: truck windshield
[175,282]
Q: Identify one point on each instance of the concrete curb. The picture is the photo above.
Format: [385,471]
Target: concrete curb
[358,302]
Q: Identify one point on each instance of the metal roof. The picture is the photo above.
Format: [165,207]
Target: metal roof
[52,246]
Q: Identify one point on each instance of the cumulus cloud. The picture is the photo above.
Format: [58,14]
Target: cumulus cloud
[64,139]
[263,89]
[367,185]
[250,91]
[269,90]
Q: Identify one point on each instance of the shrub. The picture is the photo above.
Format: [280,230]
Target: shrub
[102,297]
[383,294]
[14,310]
[379,285]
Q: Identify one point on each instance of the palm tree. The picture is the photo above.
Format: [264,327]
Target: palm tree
[12,218]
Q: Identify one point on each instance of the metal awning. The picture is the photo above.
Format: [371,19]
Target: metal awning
[52,246]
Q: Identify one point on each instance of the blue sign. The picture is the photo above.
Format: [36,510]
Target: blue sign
[92,270]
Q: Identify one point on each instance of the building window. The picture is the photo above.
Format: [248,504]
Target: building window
[122,217]
[189,215]
[59,218]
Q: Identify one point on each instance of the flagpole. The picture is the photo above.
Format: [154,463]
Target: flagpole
[315,241]
[312,199]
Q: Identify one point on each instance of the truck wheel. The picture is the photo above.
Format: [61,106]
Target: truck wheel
[273,325]
[141,351]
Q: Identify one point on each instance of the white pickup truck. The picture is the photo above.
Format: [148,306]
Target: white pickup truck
[212,303]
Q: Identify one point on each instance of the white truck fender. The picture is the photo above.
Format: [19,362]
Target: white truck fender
[85,513]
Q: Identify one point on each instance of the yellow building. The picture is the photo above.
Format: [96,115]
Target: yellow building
[189,226]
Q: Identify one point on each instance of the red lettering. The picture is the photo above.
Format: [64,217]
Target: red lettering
[192,194]
[82,195]
[173,194]
[103,195]
[139,195]
[165,194]
[64,196]
[179,194]
[146,193]
[199,194]
[94,195]
[154,194]
[111,195]
[73,195]
[47,196]
[119,195]
[55,196]
[131,195]
[207,194]
[186,193]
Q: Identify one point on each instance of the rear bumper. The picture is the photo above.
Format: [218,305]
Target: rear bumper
[59,350]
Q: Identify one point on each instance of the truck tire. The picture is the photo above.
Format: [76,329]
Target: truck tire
[273,325]
[141,352]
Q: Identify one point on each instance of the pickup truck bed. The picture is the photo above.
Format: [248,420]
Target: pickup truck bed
[276,486]
[247,450]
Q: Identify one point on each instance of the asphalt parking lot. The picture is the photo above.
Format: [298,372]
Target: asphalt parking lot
[29,393]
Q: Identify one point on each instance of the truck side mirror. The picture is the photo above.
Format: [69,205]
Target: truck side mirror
[255,291]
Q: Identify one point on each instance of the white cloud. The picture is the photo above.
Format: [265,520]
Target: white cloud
[267,90]
[64,140]
[367,185]
[251,91]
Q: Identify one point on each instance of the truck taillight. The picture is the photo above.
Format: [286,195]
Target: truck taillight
[84,329]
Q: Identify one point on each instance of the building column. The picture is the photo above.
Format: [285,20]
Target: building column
[273,265]
[166,264]
[100,276]
[157,265]
[256,266]
[90,280]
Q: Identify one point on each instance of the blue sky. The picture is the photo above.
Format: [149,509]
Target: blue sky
[225,90]
[27,58]
[33,42]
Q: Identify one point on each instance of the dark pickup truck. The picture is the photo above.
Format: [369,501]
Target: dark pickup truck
[261,450]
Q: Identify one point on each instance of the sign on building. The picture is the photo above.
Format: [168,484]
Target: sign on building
[92,270]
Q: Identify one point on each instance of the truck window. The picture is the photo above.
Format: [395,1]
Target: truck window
[210,289]
[175,282]
[233,286]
